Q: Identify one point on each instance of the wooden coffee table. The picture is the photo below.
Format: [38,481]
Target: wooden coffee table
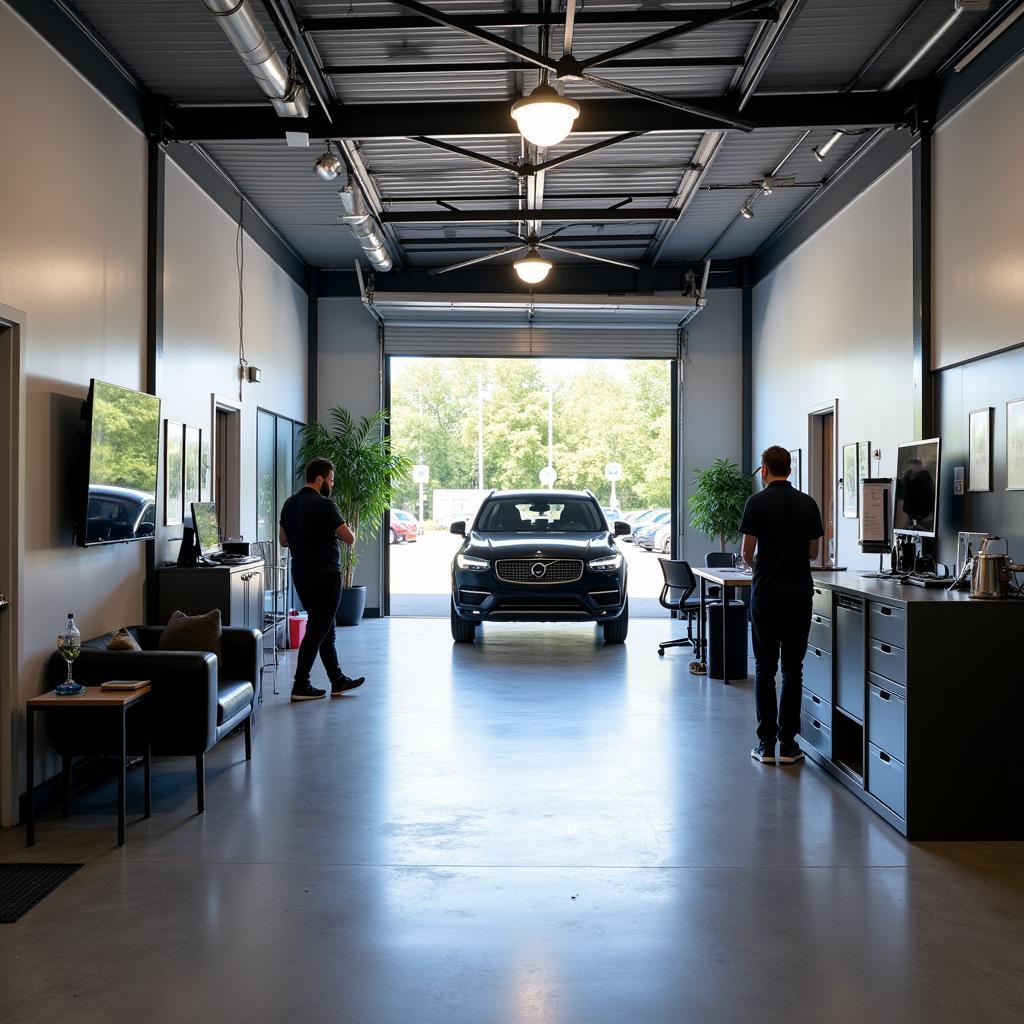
[93,701]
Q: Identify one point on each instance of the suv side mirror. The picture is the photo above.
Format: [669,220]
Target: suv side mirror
[622,529]
[459,527]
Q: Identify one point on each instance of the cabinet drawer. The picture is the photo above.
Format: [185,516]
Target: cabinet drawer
[887,721]
[818,673]
[887,779]
[888,661]
[817,734]
[821,602]
[812,706]
[821,633]
[887,623]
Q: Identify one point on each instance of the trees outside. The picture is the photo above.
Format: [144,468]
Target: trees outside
[604,411]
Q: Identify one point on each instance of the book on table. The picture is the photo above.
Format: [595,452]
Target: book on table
[124,684]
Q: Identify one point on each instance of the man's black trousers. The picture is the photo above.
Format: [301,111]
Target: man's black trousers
[779,628]
[320,593]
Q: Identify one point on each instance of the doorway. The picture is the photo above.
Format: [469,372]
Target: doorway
[11,519]
[821,475]
[227,470]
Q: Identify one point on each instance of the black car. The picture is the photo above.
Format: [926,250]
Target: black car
[539,556]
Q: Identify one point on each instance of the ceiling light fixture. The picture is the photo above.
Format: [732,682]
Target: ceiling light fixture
[820,152]
[545,117]
[746,212]
[327,165]
[768,185]
[532,268]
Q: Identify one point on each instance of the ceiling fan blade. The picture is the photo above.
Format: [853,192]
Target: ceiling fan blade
[587,255]
[570,24]
[434,271]
[670,101]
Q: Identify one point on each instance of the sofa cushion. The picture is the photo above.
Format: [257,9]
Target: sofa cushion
[123,640]
[233,695]
[192,632]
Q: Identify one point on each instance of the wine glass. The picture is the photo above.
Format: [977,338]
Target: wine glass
[69,643]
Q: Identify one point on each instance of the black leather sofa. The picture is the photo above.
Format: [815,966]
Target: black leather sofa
[193,704]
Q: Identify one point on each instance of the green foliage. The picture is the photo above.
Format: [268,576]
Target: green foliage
[128,424]
[368,469]
[716,505]
[599,417]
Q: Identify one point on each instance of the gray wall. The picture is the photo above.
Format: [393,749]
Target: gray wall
[834,321]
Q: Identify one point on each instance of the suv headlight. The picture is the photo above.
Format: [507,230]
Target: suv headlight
[469,562]
[607,564]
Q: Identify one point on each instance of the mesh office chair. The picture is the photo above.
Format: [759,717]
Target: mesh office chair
[677,596]
[717,560]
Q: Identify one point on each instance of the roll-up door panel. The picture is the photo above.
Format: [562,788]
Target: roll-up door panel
[565,343]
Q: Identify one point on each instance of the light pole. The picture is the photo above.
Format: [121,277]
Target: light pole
[482,393]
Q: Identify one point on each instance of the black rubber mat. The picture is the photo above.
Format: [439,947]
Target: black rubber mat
[22,886]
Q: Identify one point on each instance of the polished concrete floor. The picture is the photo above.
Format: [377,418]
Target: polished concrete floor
[532,830]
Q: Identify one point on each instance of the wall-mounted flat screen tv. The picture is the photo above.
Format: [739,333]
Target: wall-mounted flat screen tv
[120,456]
[917,488]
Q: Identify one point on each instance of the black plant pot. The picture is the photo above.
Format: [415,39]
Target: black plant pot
[350,610]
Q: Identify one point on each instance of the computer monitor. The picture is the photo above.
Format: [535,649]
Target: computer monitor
[207,527]
[916,510]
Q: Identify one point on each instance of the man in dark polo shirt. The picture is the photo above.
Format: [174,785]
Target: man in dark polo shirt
[312,527]
[785,527]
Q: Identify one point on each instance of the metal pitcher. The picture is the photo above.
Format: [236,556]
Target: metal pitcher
[990,574]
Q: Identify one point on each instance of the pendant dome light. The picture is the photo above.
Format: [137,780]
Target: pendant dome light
[545,117]
[327,166]
[532,268]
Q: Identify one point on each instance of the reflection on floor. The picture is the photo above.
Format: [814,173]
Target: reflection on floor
[535,828]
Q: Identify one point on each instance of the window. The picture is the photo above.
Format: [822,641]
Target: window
[512,516]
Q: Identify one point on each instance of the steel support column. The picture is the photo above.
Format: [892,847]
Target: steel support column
[312,342]
[924,390]
[747,366]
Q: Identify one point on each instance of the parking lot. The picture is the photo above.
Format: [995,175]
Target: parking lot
[421,576]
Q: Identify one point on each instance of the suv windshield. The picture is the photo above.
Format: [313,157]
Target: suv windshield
[506,515]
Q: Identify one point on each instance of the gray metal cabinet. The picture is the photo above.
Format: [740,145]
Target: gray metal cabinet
[850,675]
[236,590]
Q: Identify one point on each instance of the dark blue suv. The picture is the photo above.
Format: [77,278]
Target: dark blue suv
[539,556]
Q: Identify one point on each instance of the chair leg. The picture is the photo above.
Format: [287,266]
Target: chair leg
[247,729]
[201,782]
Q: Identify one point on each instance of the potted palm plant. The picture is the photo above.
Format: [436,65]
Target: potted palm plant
[367,473]
[716,505]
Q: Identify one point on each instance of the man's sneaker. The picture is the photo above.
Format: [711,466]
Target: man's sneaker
[344,684]
[764,753]
[307,692]
[790,753]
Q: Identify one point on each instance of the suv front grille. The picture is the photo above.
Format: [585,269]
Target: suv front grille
[539,570]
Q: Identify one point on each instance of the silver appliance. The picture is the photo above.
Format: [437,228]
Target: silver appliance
[992,572]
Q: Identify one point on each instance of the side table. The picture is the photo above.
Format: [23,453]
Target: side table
[112,702]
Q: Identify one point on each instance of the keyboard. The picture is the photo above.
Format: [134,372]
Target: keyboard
[223,559]
[927,580]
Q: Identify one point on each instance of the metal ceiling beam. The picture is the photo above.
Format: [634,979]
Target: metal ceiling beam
[768,45]
[512,19]
[488,241]
[585,215]
[283,15]
[496,197]
[504,67]
[492,118]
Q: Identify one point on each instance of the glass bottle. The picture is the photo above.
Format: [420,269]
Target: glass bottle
[69,643]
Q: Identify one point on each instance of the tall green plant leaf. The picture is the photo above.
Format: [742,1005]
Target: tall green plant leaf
[716,505]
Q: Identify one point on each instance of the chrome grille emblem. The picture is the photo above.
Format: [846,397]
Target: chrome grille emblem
[538,570]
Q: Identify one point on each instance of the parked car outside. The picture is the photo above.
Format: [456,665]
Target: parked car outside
[663,540]
[539,556]
[400,531]
[409,520]
[636,519]
[612,514]
[644,534]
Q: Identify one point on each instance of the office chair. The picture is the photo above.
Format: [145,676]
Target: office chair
[717,560]
[677,596]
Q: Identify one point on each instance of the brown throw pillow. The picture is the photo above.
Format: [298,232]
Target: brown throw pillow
[192,633]
[122,640]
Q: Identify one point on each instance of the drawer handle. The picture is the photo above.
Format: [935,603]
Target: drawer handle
[815,723]
[815,698]
[817,653]
[883,756]
[885,611]
[885,648]
[817,618]
[884,695]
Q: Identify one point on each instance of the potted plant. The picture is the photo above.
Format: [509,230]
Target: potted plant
[367,473]
[716,505]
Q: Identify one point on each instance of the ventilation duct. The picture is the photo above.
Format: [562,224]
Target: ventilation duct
[246,35]
[365,227]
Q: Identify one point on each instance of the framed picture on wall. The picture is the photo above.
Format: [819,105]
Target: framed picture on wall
[851,466]
[979,433]
[191,486]
[1015,445]
[796,477]
[174,467]
[863,462]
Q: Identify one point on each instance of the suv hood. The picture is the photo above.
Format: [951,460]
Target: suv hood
[552,545]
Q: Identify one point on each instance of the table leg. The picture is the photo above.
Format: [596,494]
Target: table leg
[148,771]
[30,820]
[121,780]
[725,634]
[699,666]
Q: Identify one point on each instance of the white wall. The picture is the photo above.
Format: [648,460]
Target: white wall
[979,244]
[711,405]
[835,321]
[348,375]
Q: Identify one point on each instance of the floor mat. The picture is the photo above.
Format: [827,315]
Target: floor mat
[22,886]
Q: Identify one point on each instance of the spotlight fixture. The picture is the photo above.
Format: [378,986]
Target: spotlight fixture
[820,152]
[767,185]
[545,117]
[532,268]
[327,165]
[746,212]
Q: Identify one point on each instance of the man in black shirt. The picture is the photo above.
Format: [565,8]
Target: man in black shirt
[312,527]
[785,526]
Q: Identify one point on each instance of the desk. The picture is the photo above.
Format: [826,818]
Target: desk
[727,579]
[94,700]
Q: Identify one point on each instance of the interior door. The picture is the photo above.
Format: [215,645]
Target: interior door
[827,486]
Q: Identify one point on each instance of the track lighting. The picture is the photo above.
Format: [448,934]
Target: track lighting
[545,117]
[768,185]
[327,165]
[532,268]
[746,212]
[820,152]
